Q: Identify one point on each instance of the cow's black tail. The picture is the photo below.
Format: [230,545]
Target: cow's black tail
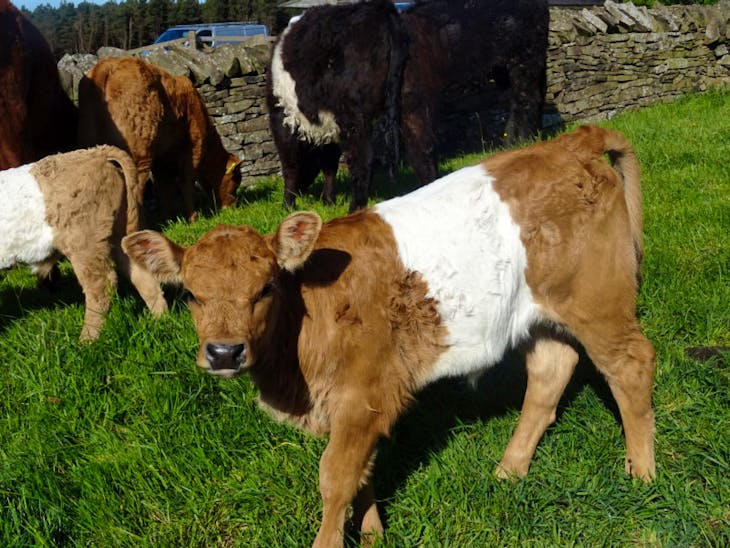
[391,120]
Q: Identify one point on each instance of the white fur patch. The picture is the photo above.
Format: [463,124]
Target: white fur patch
[459,235]
[25,236]
[284,89]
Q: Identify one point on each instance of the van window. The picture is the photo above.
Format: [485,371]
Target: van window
[213,34]
[171,34]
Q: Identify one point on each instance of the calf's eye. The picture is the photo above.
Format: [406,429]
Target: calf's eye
[265,292]
[189,297]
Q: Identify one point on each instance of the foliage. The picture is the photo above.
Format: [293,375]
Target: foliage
[85,27]
[123,443]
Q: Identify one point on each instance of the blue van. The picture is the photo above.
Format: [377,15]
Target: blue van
[214,34]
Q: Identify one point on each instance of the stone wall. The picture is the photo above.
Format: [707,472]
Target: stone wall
[243,123]
[608,59]
[604,60]
[601,61]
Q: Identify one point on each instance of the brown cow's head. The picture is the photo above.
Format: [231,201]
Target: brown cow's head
[232,274]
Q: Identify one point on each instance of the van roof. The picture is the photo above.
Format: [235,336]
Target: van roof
[206,25]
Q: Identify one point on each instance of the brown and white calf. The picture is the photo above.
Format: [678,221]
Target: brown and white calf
[341,324]
[78,204]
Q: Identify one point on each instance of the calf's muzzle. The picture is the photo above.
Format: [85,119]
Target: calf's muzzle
[225,359]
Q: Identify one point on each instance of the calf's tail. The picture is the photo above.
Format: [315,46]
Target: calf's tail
[598,141]
[623,159]
[131,185]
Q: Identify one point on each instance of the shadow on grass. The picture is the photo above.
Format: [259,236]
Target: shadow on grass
[709,354]
[383,187]
[63,291]
[427,428]
[17,302]
[256,192]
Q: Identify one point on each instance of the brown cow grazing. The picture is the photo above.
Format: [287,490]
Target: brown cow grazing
[36,116]
[80,205]
[341,324]
[162,122]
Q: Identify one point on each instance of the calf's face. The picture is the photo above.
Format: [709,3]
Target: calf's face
[232,276]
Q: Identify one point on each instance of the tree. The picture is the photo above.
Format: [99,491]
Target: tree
[134,23]
[157,18]
[88,26]
[214,11]
[187,11]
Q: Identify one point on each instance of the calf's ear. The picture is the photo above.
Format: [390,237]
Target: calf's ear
[152,252]
[295,238]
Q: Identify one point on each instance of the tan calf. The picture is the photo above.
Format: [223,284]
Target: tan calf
[339,325]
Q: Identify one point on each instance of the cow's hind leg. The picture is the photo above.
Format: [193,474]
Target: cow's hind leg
[144,170]
[626,358]
[175,182]
[329,161]
[527,98]
[187,190]
[360,161]
[550,365]
[344,470]
[420,143]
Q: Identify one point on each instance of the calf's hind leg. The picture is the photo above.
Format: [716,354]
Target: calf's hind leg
[626,359]
[95,272]
[550,365]
[365,514]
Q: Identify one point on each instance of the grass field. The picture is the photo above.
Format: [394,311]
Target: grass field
[123,442]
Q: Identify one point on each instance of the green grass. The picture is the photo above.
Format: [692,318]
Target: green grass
[125,443]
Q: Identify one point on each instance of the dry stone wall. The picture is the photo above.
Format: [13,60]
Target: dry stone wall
[611,58]
[601,61]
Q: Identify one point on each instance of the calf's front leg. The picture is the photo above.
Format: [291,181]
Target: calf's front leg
[550,365]
[344,472]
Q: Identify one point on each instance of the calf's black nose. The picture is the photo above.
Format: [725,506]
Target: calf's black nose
[225,356]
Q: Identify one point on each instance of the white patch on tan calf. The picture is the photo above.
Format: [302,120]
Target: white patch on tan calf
[459,235]
[25,235]
[284,89]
